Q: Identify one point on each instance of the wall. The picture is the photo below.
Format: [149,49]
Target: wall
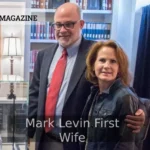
[137,23]
[126,23]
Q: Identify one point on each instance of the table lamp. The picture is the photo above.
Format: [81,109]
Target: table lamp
[11,48]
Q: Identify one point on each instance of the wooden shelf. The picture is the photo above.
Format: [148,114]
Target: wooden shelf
[53,41]
[36,10]
[42,41]
[96,11]
[18,100]
[98,39]
[101,40]
[11,78]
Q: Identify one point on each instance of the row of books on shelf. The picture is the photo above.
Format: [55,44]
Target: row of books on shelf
[84,4]
[94,5]
[93,31]
[47,4]
[96,31]
[42,30]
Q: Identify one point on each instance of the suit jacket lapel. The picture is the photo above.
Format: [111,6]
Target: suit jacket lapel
[48,57]
[78,69]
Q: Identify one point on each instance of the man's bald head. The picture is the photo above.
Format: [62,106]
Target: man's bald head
[70,8]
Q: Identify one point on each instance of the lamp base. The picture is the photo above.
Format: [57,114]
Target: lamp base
[11,96]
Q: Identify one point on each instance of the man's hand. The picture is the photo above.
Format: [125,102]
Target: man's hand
[137,121]
[29,140]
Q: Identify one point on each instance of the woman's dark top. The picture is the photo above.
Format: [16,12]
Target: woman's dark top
[106,113]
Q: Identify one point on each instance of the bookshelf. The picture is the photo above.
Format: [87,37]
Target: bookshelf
[38,10]
[100,18]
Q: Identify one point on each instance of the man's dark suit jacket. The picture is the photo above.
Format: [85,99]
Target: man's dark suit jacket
[76,96]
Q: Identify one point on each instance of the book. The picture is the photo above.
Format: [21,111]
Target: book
[50,4]
[33,56]
[109,4]
[42,4]
[93,5]
[84,4]
[37,3]
[104,4]
[46,4]
[38,30]
[33,3]
[57,3]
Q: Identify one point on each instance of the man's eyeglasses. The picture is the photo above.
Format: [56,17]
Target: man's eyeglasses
[67,25]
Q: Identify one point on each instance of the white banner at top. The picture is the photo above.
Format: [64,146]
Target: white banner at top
[19,16]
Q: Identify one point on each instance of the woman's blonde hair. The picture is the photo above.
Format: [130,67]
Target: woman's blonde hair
[121,58]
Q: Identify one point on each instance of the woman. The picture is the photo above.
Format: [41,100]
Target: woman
[110,99]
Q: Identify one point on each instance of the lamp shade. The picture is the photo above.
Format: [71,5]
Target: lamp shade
[12,46]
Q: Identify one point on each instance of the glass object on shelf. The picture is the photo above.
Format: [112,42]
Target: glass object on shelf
[11,78]
[13,113]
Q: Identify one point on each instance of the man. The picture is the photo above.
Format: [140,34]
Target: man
[71,96]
